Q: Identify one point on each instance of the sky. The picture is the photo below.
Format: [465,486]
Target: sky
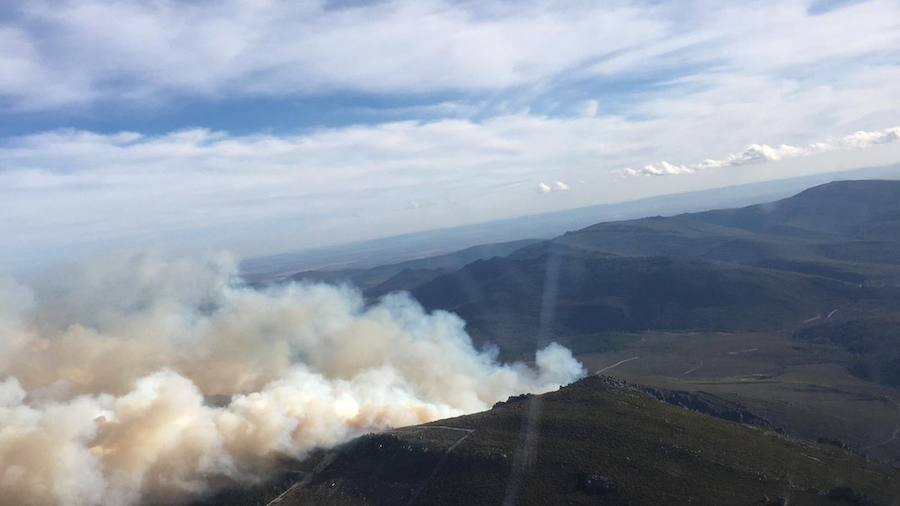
[264,126]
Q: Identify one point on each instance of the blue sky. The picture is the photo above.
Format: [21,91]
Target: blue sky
[261,126]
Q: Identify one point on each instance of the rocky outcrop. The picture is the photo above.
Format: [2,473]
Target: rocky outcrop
[709,404]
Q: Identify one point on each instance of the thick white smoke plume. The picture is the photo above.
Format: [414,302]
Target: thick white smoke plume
[756,153]
[147,379]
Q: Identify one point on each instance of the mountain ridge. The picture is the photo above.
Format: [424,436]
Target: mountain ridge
[597,441]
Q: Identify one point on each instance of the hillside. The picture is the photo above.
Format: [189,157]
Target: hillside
[848,230]
[789,307]
[846,208]
[598,441]
[410,272]
[366,254]
[501,299]
[844,230]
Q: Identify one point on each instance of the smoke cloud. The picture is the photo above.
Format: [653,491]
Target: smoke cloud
[147,379]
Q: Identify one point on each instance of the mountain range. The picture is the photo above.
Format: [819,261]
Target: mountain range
[755,351]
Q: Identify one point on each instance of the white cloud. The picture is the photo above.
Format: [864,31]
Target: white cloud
[69,191]
[864,139]
[66,52]
[212,189]
[590,108]
[758,153]
[709,79]
[286,48]
[555,186]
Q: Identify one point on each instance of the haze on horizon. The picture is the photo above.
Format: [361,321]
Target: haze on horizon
[261,126]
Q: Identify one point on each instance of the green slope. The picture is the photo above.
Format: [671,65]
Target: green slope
[502,299]
[598,441]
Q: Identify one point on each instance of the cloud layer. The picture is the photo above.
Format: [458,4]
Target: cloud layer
[55,53]
[107,376]
[758,153]
[411,115]
[68,193]
[287,48]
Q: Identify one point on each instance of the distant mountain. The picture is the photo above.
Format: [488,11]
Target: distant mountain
[797,300]
[598,441]
[847,209]
[375,252]
[762,267]
[858,209]
[515,302]
[381,279]
[847,230]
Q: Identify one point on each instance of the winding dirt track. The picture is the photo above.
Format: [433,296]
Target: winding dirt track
[326,461]
[437,468]
[891,439]
[617,364]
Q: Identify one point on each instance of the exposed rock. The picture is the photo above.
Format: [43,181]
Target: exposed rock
[514,399]
[701,402]
[709,404]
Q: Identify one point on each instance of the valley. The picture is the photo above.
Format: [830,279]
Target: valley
[805,390]
[757,347]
